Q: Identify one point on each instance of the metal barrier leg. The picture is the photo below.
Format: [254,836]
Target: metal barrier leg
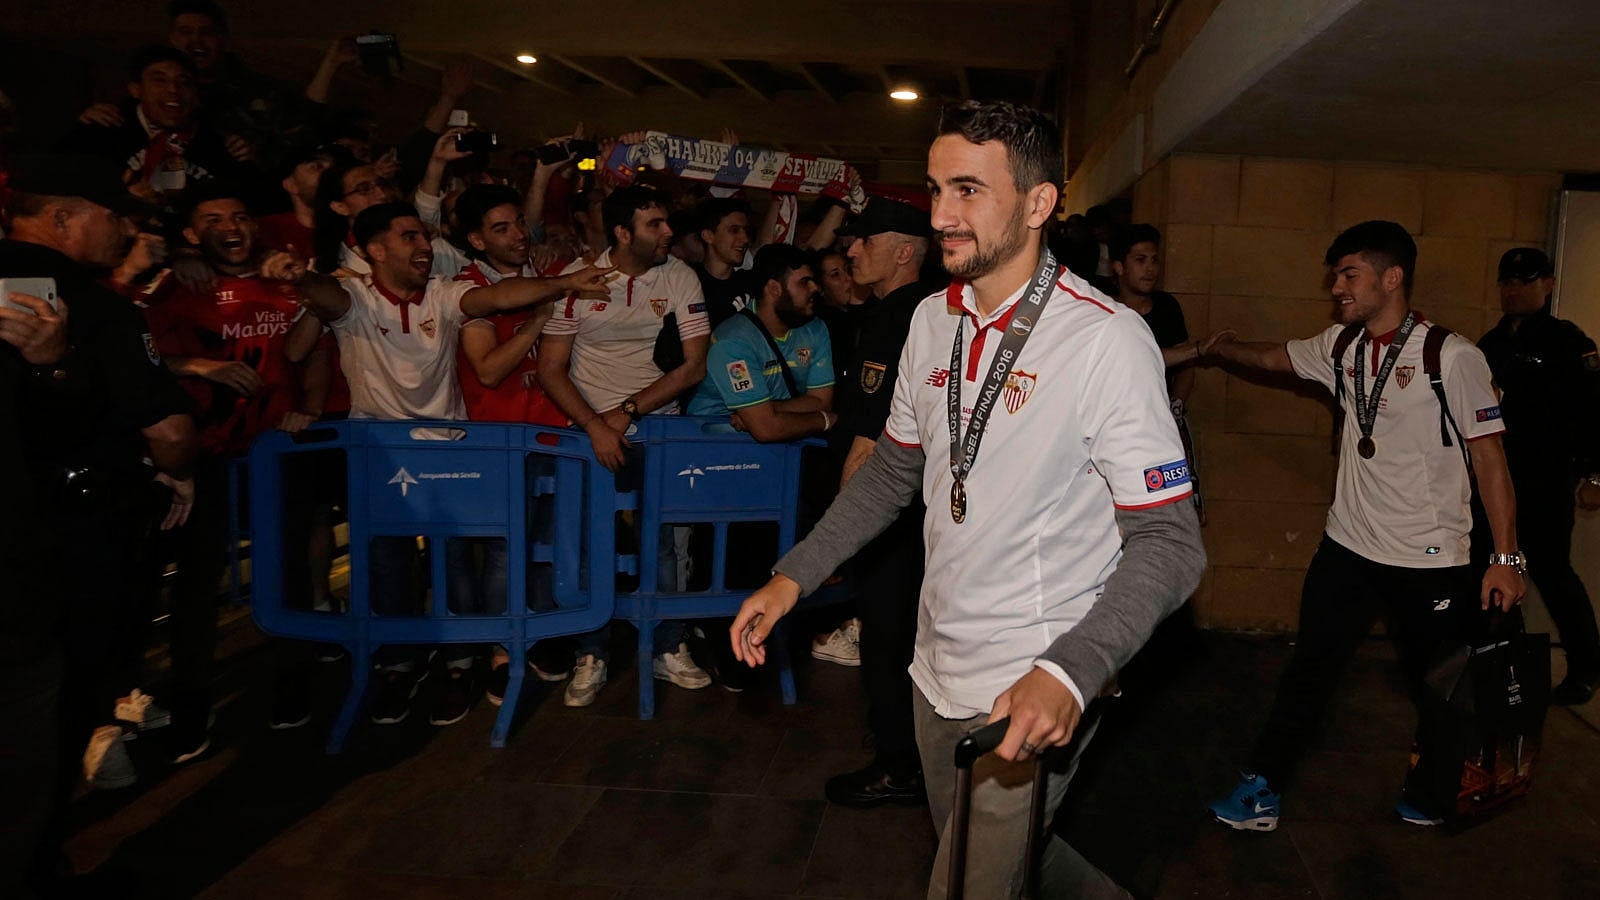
[647,675]
[354,699]
[508,705]
[779,645]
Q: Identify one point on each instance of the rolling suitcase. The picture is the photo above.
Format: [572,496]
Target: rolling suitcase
[977,743]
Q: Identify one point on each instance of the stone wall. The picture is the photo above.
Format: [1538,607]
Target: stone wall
[1244,239]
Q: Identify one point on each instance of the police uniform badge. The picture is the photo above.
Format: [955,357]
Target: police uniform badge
[1591,361]
[872,377]
[150,349]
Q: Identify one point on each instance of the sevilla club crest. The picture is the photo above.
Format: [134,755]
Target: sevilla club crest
[872,377]
[1019,387]
[804,355]
[1402,375]
[429,328]
[659,306]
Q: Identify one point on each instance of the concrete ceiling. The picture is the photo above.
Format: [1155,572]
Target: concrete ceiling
[809,77]
[1490,84]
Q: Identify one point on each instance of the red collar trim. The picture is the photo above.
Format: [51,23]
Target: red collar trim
[414,299]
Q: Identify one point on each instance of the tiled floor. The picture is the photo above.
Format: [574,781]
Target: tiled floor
[721,796]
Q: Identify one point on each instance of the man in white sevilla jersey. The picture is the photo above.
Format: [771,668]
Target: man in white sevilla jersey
[1398,531]
[1052,555]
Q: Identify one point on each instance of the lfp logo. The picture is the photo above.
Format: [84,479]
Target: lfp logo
[1167,475]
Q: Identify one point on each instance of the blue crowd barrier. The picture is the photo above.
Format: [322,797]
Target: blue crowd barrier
[699,472]
[539,489]
[443,481]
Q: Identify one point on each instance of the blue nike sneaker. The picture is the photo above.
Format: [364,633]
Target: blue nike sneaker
[1250,806]
[1415,816]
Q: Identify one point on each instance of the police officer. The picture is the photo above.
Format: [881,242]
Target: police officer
[887,257]
[94,416]
[1549,375]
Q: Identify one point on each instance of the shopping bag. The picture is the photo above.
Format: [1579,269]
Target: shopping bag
[1482,720]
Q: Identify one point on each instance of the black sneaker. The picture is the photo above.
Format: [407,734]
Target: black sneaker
[551,660]
[1575,690]
[495,687]
[291,708]
[395,692]
[875,786]
[455,698]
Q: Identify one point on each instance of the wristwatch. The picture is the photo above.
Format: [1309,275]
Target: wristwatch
[630,407]
[1515,560]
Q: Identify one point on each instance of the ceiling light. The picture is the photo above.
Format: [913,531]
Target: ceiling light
[527,59]
[905,94]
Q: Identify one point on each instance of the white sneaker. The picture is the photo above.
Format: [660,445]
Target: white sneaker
[106,763]
[588,677]
[678,667]
[843,646]
[138,710]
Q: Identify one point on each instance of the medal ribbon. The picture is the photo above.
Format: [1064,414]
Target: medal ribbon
[1025,317]
[1367,411]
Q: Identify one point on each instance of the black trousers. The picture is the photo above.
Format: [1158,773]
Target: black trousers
[1544,530]
[201,550]
[889,575]
[1429,610]
[30,705]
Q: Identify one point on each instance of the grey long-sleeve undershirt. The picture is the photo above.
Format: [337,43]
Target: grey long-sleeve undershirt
[1162,560]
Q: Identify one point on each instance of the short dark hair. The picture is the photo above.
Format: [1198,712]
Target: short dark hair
[198,8]
[376,220]
[1032,141]
[206,191]
[158,53]
[475,202]
[1124,239]
[1382,244]
[618,209]
[711,212]
[774,262]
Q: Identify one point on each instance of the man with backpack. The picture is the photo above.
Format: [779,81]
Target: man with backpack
[1421,420]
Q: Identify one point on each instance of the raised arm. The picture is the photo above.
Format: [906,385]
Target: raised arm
[324,297]
[1267,356]
[515,293]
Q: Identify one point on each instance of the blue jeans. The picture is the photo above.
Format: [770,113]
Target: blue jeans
[672,562]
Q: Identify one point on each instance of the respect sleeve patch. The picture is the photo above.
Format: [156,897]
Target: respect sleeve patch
[1487,414]
[1166,475]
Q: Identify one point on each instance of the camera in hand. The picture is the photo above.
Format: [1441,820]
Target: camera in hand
[380,54]
[477,142]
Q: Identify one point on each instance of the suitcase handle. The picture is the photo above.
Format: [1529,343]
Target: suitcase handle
[979,741]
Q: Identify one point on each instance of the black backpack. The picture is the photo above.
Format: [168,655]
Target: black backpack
[1432,345]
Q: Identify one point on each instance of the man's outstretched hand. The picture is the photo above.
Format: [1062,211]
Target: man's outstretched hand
[1043,713]
[757,617]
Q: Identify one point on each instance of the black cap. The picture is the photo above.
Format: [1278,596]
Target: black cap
[883,214]
[92,178]
[1525,264]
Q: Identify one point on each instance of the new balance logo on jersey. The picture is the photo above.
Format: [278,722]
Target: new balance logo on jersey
[938,377]
[1441,605]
